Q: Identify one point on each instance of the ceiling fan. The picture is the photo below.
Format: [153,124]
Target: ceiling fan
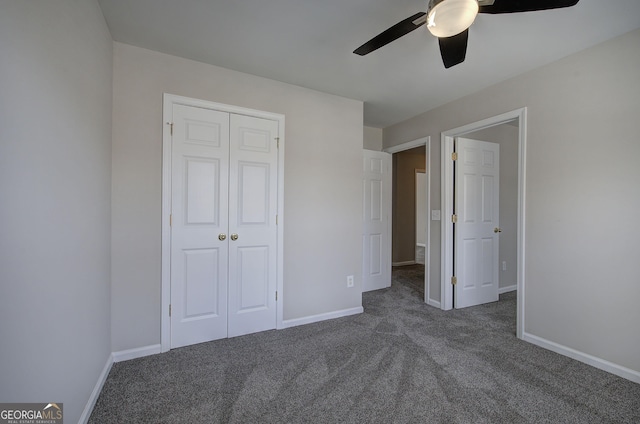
[449,20]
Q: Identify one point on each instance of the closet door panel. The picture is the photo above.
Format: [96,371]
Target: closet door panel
[253,198]
[199,209]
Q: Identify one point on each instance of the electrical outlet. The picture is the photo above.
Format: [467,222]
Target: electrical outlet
[349,280]
[504,265]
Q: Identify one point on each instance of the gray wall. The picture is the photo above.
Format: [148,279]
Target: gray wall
[403,237]
[582,279]
[506,136]
[55,178]
[323,186]
[372,139]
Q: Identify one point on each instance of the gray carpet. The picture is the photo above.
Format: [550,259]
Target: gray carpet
[398,362]
[410,276]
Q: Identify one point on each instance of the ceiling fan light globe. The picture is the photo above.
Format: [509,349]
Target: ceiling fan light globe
[446,18]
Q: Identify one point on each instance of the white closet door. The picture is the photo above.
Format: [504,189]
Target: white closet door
[199,203]
[252,224]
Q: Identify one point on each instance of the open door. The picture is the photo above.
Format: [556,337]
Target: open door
[376,236]
[476,228]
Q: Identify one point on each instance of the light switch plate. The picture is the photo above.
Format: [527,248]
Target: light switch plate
[435,215]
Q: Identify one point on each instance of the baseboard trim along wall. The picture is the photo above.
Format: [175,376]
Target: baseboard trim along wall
[602,364]
[434,303]
[508,289]
[403,263]
[321,317]
[125,355]
[91,403]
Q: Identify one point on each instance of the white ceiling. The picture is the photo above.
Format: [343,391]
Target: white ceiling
[310,43]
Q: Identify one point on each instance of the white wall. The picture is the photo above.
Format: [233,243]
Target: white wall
[55,178]
[506,135]
[323,186]
[582,280]
[372,139]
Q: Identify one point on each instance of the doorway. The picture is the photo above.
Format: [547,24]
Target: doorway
[408,247]
[517,120]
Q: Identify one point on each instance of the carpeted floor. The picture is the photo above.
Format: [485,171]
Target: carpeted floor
[410,276]
[399,362]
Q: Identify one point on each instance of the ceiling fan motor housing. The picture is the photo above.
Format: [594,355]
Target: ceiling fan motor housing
[446,18]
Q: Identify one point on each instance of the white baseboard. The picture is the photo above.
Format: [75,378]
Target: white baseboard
[602,364]
[508,289]
[403,263]
[114,357]
[139,352]
[434,303]
[91,403]
[321,317]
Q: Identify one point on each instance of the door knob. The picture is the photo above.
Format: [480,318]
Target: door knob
[234,237]
[222,236]
[497,230]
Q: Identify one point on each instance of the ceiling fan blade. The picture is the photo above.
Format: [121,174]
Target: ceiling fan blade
[454,49]
[391,34]
[514,6]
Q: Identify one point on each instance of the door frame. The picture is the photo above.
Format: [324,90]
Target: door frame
[169,100]
[424,141]
[447,185]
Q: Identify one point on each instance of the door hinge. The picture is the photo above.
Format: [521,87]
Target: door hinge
[454,280]
[278,142]
[170,127]
[169,310]
[454,218]
[454,156]
[276,296]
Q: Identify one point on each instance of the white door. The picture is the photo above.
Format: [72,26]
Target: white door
[223,233]
[376,238]
[199,208]
[477,228]
[252,224]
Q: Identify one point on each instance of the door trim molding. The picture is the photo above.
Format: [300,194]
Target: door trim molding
[446,263]
[424,141]
[169,100]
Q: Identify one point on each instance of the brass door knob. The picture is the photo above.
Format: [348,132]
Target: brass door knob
[222,237]
[497,230]
[234,237]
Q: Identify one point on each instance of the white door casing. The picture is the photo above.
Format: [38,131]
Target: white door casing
[252,218]
[376,238]
[199,195]
[222,289]
[477,228]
